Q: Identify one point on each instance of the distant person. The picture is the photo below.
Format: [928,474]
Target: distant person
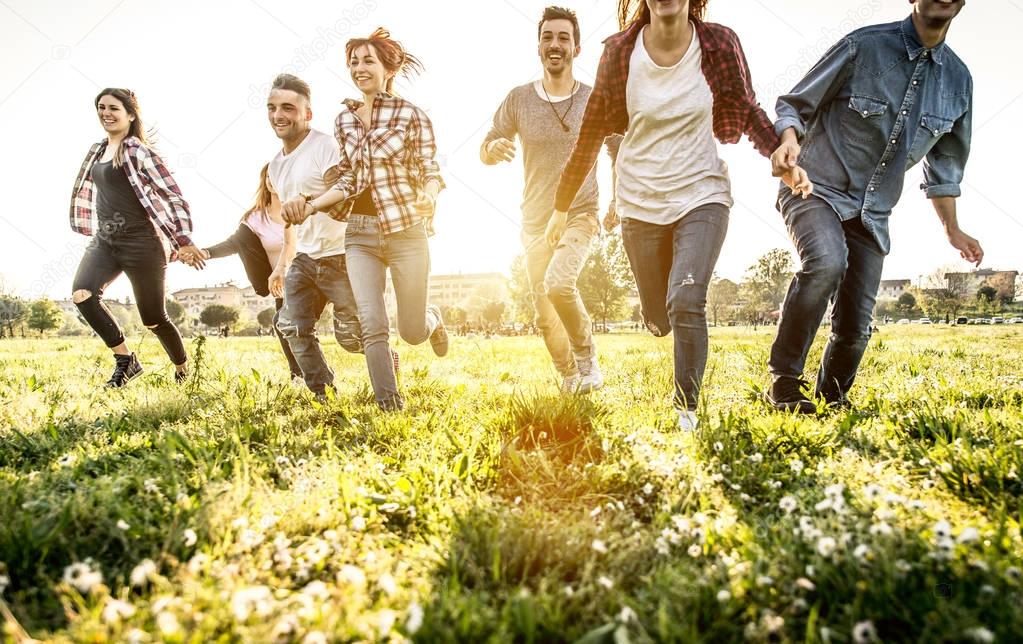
[126,199]
[305,169]
[883,99]
[264,243]
[545,115]
[671,83]
[388,185]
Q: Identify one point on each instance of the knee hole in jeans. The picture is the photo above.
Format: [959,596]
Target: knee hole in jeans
[81,296]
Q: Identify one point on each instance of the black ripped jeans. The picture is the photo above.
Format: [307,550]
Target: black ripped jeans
[133,249]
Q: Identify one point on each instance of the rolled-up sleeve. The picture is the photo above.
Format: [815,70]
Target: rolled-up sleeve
[423,146]
[945,164]
[817,88]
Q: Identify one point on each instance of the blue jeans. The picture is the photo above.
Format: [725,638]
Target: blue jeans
[841,264]
[309,285]
[370,253]
[673,265]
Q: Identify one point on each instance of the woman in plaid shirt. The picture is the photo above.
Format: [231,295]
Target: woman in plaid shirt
[128,202]
[671,84]
[389,181]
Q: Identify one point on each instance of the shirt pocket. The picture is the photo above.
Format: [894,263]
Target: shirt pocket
[386,144]
[932,128]
[864,120]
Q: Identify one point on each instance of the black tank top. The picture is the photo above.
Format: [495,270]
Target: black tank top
[364,204]
[115,198]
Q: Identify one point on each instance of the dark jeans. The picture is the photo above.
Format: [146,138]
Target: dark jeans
[407,254]
[135,250]
[296,371]
[673,265]
[309,285]
[841,264]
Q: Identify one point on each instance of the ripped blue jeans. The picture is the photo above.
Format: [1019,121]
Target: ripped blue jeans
[308,287]
[673,266]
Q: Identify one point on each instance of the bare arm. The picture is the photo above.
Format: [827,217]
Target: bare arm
[968,247]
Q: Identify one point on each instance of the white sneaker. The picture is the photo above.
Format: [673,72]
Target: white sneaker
[570,384]
[687,420]
[592,379]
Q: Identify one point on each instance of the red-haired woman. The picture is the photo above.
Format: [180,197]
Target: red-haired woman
[266,246]
[390,181]
[128,202]
[671,83]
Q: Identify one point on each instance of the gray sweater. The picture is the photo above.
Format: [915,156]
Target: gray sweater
[546,147]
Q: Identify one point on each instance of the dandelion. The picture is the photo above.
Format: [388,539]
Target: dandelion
[864,632]
[806,584]
[387,584]
[414,619]
[826,546]
[648,489]
[605,582]
[82,576]
[142,573]
[834,490]
[724,596]
[116,610]
[719,446]
[863,552]
[197,563]
[942,529]
[980,634]
[351,575]
[872,491]
[190,537]
[757,458]
[662,547]
[771,622]
[599,546]
[969,535]
[881,529]
[787,504]
[797,466]
[358,523]
[168,624]
[694,551]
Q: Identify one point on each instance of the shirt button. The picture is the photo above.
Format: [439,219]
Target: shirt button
[905,112]
[915,82]
[865,112]
[872,188]
[884,164]
[894,141]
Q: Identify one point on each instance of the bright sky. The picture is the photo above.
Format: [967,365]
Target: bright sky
[201,70]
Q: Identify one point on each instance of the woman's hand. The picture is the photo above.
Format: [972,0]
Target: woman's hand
[556,228]
[193,256]
[611,219]
[276,281]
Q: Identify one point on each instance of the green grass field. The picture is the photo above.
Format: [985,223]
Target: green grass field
[491,509]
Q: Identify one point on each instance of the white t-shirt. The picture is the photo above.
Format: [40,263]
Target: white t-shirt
[668,164]
[302,171]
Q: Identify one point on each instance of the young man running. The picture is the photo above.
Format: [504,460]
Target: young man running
[880,101]
[305,168]
[546,115]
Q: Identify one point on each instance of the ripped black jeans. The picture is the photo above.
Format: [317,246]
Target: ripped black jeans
[135,250]
[308,286]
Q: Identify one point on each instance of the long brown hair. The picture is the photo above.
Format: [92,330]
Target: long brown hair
[391,53]
[633,11]
[263,197]
[135,127]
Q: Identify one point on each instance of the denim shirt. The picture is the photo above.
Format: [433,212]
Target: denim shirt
[874,106]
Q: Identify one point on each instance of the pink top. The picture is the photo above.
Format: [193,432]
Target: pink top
[270,233]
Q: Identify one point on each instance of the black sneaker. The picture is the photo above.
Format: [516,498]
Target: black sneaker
[127,369]
[439,337]
[836,402]
[786,394]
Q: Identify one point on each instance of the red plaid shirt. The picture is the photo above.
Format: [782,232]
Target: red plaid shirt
[736,111]
[394,158]
[154,187]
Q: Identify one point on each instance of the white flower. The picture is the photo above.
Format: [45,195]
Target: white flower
[268,521]
[862,552]
[385,622]
[872,491]
[136,636]
[67,460]
[568,591]
[143,572]
[796,465]
[694,551]
[5,581]
[627,615]
[724,595]
[764,580]
[123,525]
[648,489]
[314,637]
[980,634]
[599,546]
[151,486]
[198,562]
[969,535]
[316,589]
[83,577]
[387,584]
[358,524]
[942,529]
[352,575]
[414,620]
[116,609]
[757,458]
[662,547]
[771,622]
[595,511]
[239,523]
[834,490]
[806,584]
[167,623]
[1012,572]
[823,505]
[882,529]
[190,537]
[249,539]
[864,632]
[285,628]
[787,504]
[255,599]
[605,582]
[826,546]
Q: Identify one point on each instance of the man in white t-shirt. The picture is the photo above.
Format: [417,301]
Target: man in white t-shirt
[305,168]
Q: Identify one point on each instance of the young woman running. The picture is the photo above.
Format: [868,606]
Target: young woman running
[390,179]
[266,247]
[671,83]
[128,202]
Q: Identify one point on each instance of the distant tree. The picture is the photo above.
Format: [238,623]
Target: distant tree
[265,318]
[177,313]
[518,289]
[722,294]
[454,315]
[218,315]
[906,303]
[768,280]
[637,313]
[13,312]
[45,315]
[606,280]
[987,293]
[493,312]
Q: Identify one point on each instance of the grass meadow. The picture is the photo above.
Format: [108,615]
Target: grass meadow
[236,509]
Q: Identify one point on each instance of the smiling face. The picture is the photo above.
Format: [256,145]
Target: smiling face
[367,71]
[289,113]
[937,13]
[668,9]
[557,46]
[112,116]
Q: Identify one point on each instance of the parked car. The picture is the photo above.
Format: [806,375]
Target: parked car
[924,321]
[903,321]
[984,321]
[997,320]
[960,321]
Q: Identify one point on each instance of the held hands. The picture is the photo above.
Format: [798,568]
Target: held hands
[784,164]
[611,219]
[296,210]
[798,181]
[968,247]
[193,256]
[501,150]
[556,228]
